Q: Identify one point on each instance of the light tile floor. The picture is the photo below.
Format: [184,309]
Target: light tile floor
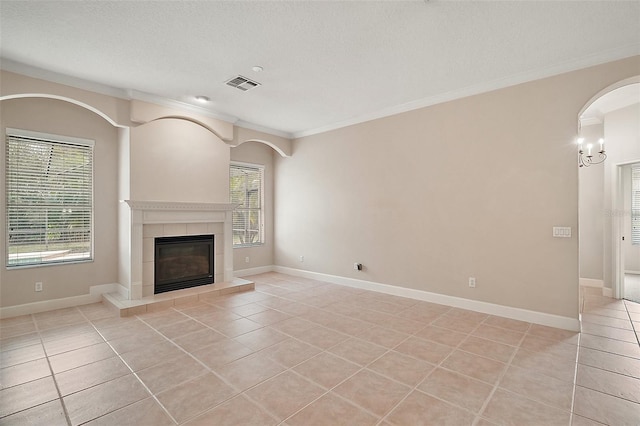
[632,287]
[302,352]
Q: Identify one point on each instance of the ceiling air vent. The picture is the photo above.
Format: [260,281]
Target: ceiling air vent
[242,83]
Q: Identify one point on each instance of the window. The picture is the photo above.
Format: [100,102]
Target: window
[246,188]
[49,202]
[635,205]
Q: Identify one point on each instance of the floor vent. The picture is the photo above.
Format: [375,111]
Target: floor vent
[242,83]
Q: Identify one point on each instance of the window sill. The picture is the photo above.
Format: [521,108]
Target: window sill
[40,265]
[248,245]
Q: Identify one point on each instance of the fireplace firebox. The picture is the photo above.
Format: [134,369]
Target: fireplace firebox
[183,262]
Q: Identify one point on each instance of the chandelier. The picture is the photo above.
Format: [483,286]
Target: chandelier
[588,159]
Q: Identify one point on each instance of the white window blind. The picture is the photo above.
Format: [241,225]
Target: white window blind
[49,198]
[635,205]
[246,188]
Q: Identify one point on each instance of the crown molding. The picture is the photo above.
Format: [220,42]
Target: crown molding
[540,73]
[263,129]
[54,77]
[183,106]
[129,94]
[560,68]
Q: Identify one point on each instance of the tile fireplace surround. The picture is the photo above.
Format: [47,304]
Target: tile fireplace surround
[150,219]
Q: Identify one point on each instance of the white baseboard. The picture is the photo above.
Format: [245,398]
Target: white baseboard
[589,282]
[94,296]
[103,288]
[121,290]
[253,271]
[526,315]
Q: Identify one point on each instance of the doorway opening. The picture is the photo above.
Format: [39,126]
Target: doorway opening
[630,243]
[607,256]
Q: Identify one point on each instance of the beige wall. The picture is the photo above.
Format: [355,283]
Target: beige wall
[178,160]
[257,153]
[423,199]
[115,109]
[168,159]
[428,198]
[63,118]
[591,211]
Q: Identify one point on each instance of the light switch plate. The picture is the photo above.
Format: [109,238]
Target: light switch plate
[562,231]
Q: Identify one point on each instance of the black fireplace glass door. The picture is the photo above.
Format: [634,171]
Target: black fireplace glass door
[183,262]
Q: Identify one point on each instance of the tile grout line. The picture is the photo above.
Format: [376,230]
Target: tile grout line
[322,308]
[612,372]
[438,365]
[209,369]
[525,334]
[133,373]
[323,350]
[633,327]
[275,307]
[430,323]
[53,376]
[329,390]
[575,379]
[243,392]
[501,376]
[543,373]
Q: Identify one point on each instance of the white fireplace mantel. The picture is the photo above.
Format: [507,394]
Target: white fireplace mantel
[164,212]
[178,206]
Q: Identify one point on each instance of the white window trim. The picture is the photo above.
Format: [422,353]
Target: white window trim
[635,209]
[69,140]
[262,197]
[49,137]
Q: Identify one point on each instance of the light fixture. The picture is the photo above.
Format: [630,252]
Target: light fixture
[202,99]
[587,160]
[257,68]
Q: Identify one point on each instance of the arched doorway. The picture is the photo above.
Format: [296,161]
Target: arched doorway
[609,256]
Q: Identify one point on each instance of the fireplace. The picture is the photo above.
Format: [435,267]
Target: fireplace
[141,222]
[183,262]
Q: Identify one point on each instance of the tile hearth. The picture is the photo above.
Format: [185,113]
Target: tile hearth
[158,302]
[302,352]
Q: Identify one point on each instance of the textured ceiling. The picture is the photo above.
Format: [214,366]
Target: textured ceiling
[325,63]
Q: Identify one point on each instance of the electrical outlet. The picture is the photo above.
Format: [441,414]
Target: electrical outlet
[472,282]
[39,286]
[302,259]
[246,259]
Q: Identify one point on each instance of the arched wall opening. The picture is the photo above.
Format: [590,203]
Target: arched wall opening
[275,147]
[64,99]
[604,208]
[123,130]
[66,117]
